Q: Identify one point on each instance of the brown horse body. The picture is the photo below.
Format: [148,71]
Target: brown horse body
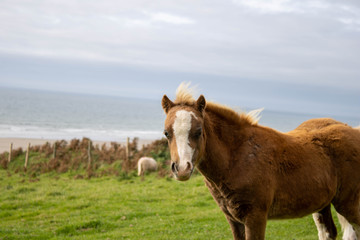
[256,173]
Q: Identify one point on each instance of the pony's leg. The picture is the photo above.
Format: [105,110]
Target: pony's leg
[238,229]
[255,225]
[325,224]
[350,218]
[357,230]
[348,230]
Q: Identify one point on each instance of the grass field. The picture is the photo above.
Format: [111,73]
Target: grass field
[56,206]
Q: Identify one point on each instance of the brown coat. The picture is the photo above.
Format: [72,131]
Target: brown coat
[256,173]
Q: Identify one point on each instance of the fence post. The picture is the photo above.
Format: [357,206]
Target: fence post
[27,156]
[10,152]
[89,153]
[127,150]
[54,152]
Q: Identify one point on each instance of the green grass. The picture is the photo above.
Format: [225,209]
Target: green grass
[59,207]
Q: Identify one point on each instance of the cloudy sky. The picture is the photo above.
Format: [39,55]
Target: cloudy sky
[286,55]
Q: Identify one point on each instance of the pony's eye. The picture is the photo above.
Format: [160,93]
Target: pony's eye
[198,133]
[167,135]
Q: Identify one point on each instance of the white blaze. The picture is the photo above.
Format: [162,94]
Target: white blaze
[181,127]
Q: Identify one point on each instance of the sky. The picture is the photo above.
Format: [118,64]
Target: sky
[284,55]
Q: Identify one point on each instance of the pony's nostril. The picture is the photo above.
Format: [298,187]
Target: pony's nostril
[188,167]
[173,167]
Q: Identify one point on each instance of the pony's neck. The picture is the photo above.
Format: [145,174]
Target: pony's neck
[223,136]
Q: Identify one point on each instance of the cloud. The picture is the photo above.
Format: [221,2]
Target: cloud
[313,42]
[284,6]
[152,19]
[270,6]
[351,23]
[170,18]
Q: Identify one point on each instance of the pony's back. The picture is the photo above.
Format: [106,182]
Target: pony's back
[337,140]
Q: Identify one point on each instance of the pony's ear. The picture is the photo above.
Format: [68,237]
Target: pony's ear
[166,104]
[201,103]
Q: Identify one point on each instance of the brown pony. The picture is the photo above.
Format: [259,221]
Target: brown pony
[256,173]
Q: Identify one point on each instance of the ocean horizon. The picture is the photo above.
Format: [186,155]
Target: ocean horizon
[42,114]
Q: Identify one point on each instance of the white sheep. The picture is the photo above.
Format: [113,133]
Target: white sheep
[146,164]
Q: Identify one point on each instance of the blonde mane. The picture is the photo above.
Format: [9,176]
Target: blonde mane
[184,95]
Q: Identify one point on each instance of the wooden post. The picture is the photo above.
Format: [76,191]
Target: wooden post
[27,156]
[54,153]
[127,150]
[89,153]
[10,152]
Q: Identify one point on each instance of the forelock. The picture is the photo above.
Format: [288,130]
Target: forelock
[184,94]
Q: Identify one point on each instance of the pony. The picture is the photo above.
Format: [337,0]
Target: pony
[146,164]
[256,173]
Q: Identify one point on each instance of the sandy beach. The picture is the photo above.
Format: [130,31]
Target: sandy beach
[23,142]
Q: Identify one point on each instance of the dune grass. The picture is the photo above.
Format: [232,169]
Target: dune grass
[56,206]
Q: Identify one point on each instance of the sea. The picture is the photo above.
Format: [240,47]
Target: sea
[55,115]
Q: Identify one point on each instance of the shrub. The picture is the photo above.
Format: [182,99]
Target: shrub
[73,156]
